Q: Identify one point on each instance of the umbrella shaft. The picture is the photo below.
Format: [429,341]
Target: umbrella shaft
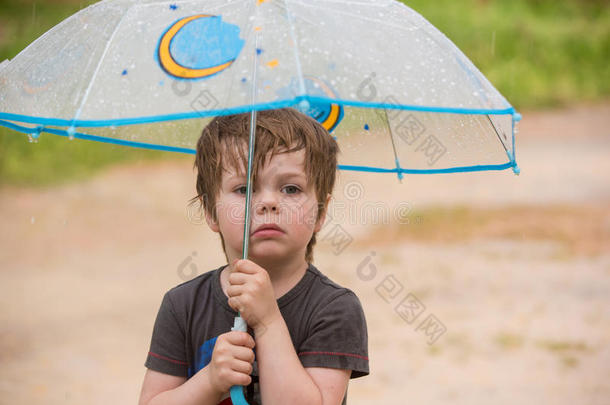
[251,143]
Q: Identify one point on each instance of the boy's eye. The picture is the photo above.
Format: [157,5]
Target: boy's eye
[292,189]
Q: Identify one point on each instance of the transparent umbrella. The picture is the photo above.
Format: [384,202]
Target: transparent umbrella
[397,95]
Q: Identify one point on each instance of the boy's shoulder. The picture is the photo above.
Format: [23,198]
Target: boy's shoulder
[324,279]
[192,287]
[324,290]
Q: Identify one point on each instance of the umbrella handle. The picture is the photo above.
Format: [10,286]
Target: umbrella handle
[237,392]
[237,395]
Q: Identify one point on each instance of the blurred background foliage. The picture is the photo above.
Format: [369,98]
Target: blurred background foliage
[537,53]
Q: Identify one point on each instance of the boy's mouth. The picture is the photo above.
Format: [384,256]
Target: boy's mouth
[268,228]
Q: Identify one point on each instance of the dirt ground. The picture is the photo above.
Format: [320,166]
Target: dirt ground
[512,283]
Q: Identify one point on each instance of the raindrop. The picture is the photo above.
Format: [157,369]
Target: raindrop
[32,220]
[71,132]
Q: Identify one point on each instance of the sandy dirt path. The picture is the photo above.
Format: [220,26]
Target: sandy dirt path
[83,268]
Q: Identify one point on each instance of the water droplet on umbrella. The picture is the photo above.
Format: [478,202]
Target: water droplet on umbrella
[71,132]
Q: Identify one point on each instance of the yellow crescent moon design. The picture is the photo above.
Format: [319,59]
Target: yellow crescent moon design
[171,66]
[335,109]
[332,117]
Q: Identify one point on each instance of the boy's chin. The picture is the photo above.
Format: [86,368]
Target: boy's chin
[270,256]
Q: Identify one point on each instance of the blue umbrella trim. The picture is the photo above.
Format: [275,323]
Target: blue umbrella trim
[80,135]
[247,108]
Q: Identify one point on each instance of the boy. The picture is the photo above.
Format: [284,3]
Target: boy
[307,335]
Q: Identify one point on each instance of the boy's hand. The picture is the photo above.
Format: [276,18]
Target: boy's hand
[232,360]
[251,293]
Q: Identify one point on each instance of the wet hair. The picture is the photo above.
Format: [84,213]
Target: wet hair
[223,144]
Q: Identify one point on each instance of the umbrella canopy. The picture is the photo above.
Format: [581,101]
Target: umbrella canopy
[395,93]
[376,74]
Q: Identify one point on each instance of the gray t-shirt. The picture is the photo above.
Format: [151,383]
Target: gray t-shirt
[326,324]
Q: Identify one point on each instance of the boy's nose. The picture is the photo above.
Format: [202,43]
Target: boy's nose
[266,202]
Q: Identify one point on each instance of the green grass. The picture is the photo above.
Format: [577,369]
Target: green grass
[54,159]
[538,53]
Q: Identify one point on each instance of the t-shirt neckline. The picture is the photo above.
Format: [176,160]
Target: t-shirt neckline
[283,300]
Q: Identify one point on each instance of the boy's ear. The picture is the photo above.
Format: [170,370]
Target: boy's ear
[211,223]
[323,216]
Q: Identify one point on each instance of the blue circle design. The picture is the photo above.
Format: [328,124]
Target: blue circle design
[206,42]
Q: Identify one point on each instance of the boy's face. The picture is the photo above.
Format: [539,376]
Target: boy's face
[282,197]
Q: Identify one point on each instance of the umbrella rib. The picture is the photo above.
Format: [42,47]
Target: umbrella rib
[97,68]
[296,50]
[498,135]
[356,16]
[398,167]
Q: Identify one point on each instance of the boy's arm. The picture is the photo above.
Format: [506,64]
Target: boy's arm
[282,377]
[231,364]
[332,382]
[159,388]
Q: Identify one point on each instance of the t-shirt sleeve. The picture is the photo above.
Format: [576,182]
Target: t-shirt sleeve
[167,346]
[337,337]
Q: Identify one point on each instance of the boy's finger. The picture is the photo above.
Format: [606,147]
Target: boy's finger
[239,338]
[247,266]
[236,304]
[240,379]
[241,366]
[234,290]
[236,278]
[243,353]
